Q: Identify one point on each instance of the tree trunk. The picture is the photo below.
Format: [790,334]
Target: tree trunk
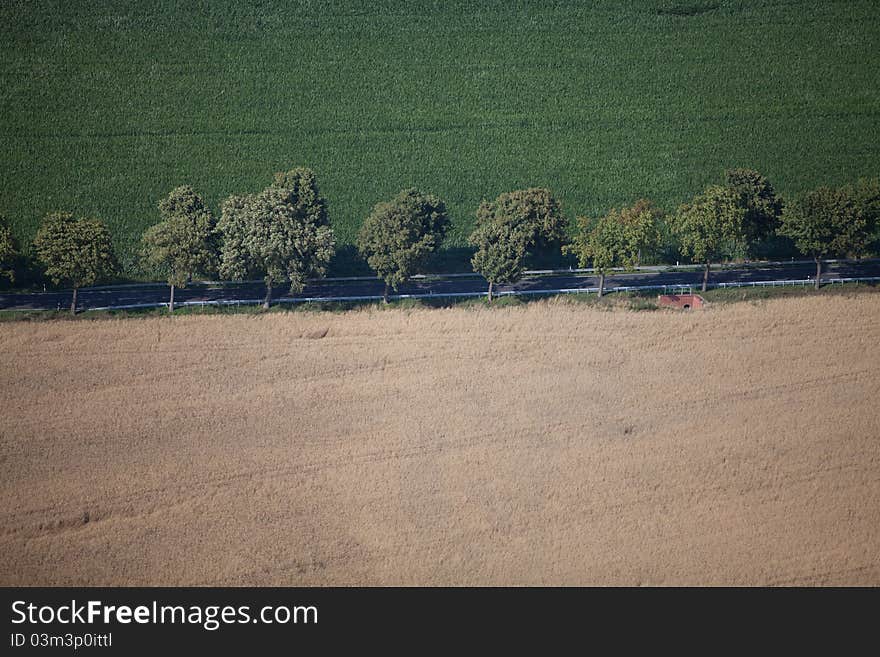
[385,294]
[73,303]
[171,301]
[268,298]
[706,277]
[490,291]
[601,285]
[818,272]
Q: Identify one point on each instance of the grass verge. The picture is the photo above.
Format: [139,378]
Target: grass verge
[634,301]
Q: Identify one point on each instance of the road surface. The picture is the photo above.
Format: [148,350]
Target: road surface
[135,295]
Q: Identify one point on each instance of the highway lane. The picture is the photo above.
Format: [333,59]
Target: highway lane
[154,294]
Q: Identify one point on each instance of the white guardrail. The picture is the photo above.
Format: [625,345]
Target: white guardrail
[442,295]
[753,264]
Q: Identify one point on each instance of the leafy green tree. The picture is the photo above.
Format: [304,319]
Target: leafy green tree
[602,245]
[619,239]
[642,230]
[758,198]
[400,234]
[8,250]
[184,243]
[280,233]
[711,227]
[508,227]
[77,252]
[826,222]
[866,194]
[501,250]
[533,213]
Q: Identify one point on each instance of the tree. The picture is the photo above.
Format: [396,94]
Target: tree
[534,213]
[500,253]
[711,227]
[619,239]
[643,231]
[758,198]
[511,225]
[825,222]
[184,243]
[74,251]
[8,250]
[280,233]
[602,245]
[399,234]
[866,194]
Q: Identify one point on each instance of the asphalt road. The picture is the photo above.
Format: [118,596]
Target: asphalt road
[154,294]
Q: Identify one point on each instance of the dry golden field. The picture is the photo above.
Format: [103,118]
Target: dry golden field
[546,444]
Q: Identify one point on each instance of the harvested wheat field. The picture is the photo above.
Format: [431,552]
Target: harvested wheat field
[545,444]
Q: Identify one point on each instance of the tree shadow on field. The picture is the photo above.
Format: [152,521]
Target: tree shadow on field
[775,247]
[450,260]
[550,257]
[346,261]
[457,259]
[28,273]
[685,10]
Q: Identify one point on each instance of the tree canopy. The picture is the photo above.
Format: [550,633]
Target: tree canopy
[533,213]
[398,235]
[280,233]
[642,229]
[509,227]
[8,250]
[866,194]
[184,243]
[500,253]
[74,251]
[758,198]
[619,239]
[601,246]
[711,227]
[826,222]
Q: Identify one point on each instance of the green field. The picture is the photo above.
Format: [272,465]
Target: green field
[105,106]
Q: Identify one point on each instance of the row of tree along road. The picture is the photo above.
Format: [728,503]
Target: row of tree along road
[283,233]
